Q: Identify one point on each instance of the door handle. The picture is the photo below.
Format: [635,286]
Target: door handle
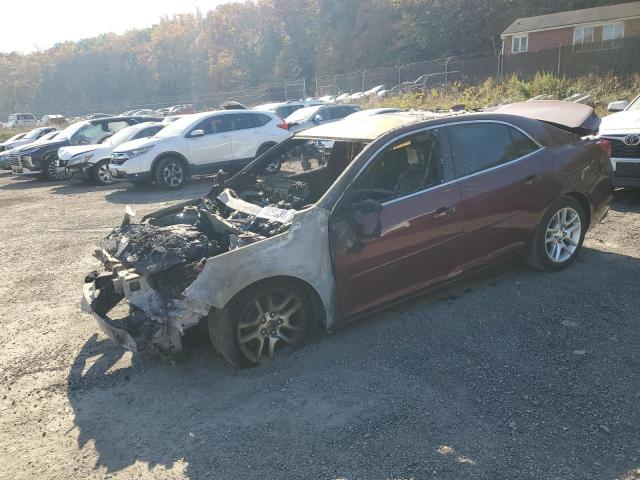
[533,179]
[444,212]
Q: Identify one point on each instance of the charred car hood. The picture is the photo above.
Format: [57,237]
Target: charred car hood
[151,249]
[621,122]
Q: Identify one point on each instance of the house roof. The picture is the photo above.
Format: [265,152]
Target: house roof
[574,17]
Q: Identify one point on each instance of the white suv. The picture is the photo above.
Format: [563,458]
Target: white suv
[198,144]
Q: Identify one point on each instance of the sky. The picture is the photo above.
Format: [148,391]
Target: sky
[29,25]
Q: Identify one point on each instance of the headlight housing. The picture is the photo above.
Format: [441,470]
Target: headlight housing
[138,151]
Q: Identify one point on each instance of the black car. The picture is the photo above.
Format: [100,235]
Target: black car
[42,158]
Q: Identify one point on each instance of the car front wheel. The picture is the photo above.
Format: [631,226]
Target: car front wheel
[50,171]
[101,174]
[170,173]
[559,236]
[261,322]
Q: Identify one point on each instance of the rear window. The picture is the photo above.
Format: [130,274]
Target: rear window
[482,145]
[261,119]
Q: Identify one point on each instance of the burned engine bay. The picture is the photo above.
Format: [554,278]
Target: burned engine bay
[152,262]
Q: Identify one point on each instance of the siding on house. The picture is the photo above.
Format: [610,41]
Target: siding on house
[553,38]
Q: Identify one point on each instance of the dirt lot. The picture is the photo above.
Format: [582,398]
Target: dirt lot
[517,374]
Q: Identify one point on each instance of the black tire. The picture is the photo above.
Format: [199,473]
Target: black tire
[51,173]
[552,250]
[100,174]
[262,328]
[170,173]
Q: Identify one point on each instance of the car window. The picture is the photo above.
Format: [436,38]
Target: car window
[323,113]
[242,121]
[89,134]
[287,110]
[409,165]
[340,112]
[218,124]
[482,145]
[114,127]
[261,119]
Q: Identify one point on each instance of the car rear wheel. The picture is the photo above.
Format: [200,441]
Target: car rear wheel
[559,236]
[170,173]
[50,171]
[261,322]
[100,173]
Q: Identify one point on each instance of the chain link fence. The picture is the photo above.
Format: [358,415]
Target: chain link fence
[620,58]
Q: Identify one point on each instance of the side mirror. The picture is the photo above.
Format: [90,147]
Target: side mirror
[317,119]
[197,133]
[366,219]
[618,106]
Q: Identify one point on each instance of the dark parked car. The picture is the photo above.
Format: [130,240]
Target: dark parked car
[42,158]
[401,203]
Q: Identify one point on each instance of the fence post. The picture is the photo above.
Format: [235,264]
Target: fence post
[559,58]
[400,74]
[364,73]
[285,91]
[304,88]
[317,89]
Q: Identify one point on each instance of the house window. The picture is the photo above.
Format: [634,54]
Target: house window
[584,38]
[612,35]
[520,44]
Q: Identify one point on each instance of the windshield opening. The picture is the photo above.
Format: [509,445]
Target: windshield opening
[297,174]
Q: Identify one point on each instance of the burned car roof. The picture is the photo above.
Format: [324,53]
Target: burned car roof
[370,128]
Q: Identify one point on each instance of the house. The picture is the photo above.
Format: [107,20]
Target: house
[587,29]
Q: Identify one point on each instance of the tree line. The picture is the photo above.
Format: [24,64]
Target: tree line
[245,45]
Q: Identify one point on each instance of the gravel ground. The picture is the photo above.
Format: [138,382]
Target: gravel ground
[514,375]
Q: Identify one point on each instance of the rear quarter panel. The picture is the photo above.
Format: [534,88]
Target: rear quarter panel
[583,168]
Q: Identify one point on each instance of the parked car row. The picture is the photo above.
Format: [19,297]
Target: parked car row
[170,150]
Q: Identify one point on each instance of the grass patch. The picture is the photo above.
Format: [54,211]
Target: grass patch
[603,89]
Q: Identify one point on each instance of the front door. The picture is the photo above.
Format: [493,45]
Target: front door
[212,147]
[417,242]
[505,187]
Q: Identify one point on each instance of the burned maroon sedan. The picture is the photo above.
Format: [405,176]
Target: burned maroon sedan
[344,218]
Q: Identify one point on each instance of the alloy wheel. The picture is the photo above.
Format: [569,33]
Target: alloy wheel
[270,320]
[563,235]
[57,173]
[104,174]
[173,174]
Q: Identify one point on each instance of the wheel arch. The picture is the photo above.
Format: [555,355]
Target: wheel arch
[319,312]
[584,202]
[268,145]
[164,155]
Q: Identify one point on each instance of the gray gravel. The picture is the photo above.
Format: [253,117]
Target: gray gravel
[513,375]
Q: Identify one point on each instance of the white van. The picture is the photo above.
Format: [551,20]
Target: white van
[21,120]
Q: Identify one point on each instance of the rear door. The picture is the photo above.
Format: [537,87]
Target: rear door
[420,235]
[212,147]
[246,135]
[506,182]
